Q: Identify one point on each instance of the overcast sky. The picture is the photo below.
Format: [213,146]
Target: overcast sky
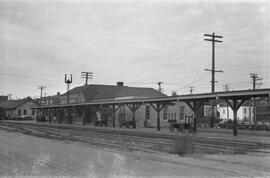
[137,42]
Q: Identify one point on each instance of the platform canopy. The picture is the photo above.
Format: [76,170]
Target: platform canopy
[234,99]
[230,95]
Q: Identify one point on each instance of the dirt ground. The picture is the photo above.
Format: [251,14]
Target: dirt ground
[24,155]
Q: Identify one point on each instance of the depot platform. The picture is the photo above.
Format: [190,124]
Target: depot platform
[260,137]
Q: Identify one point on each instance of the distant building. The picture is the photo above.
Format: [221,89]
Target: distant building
[14,108]
[178,111]
[244,113]
[263,110]
[3,98]
[207,110]
[51,100]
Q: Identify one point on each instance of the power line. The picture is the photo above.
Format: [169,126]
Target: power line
[235,83]
[158,53]
[192,83]
[199,79]
[170,83]
[245,66]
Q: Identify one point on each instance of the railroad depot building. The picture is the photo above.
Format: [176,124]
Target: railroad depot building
[13,109]
[96,93]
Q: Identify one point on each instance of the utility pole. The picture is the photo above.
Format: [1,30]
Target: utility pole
[45,98]
[9,96]
[87,75]
[41,89]
[255,78]
[159,86]
[249,111]
[213,40]
[226,87]
[68,82]
[191,89]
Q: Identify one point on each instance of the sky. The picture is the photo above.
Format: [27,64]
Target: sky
[137,42]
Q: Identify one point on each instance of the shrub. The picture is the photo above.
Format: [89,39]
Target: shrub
[183,145]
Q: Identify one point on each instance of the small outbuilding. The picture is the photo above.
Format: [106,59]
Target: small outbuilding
[14,109]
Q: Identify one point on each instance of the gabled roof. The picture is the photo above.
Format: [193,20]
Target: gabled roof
[12,104]
[101,92]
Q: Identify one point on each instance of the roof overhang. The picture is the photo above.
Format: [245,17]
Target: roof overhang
[230,95]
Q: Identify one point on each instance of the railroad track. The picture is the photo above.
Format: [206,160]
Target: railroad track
[65,135]
[150,136]
[23,154]
[134,141]
[164,136]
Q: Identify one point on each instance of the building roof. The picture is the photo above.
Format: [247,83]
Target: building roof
[232,95]
[3,98]
[102,92]
[12,104]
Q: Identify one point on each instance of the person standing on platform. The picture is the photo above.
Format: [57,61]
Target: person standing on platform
[98,114]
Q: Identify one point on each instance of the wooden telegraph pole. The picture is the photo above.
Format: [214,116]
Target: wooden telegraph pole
[226,87]
[213,71]
[255,78]
[87,75]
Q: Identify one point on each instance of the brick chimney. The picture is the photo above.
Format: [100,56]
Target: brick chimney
[120,84]
[58,95]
